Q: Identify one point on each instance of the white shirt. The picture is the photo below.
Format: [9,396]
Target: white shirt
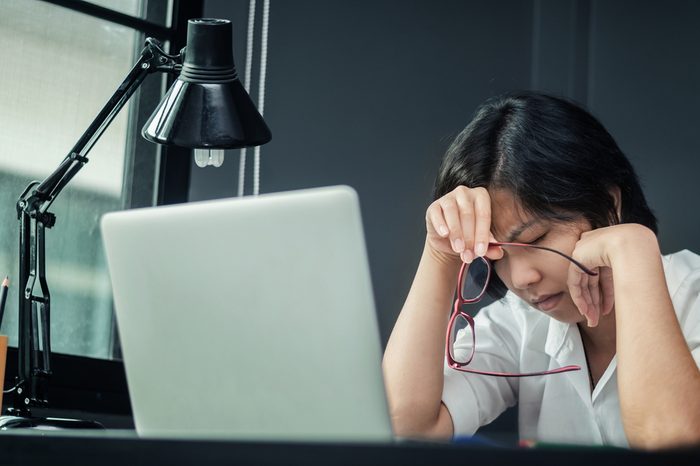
[514,337]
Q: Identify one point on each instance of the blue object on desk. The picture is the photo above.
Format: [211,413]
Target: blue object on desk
[478,441]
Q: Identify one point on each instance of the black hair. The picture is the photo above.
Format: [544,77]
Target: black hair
[552,155]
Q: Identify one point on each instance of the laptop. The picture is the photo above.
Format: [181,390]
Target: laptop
[249,318]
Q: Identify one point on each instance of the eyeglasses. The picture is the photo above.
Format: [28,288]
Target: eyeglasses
[471,286]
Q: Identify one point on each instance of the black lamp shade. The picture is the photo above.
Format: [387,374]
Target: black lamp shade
[207,106]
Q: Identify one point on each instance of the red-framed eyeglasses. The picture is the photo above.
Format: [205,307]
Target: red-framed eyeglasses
[471,286]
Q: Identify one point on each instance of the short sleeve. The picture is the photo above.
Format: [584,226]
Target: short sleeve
[683,275]
[475,400]
[690,325]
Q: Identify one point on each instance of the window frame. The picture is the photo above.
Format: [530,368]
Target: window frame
[81,384]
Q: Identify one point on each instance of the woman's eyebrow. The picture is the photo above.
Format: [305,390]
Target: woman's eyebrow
[515,233]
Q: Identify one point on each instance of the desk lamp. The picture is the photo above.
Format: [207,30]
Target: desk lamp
[206,109]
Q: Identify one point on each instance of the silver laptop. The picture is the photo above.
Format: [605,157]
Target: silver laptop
[249,318]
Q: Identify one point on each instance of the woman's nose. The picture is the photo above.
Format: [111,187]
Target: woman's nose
[523,274]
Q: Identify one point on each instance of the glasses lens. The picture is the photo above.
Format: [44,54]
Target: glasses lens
[474,279]
[461,344]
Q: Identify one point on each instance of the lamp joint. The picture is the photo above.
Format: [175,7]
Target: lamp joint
[78,158]
[156,59]
[47,219]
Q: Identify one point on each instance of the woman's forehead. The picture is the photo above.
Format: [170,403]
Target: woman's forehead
[508,217]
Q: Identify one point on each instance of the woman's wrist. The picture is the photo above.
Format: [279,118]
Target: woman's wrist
[635,260]
[634,246]
[441,258]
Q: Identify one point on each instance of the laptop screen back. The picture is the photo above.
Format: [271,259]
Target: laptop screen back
[249,318]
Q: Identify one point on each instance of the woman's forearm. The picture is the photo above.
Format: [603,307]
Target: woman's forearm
[413,361]
[658,379]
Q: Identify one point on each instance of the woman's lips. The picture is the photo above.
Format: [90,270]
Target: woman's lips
[547,303]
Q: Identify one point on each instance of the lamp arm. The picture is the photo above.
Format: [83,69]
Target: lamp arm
[34,344]
[152,59]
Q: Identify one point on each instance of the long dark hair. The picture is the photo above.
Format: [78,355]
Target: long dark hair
[552,155]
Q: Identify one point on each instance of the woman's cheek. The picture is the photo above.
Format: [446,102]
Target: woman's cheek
[501,271]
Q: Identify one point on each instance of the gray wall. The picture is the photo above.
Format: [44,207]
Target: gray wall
[645,86]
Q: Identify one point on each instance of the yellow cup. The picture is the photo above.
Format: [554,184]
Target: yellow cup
[3,359]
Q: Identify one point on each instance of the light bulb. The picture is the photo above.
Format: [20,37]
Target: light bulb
[206,157]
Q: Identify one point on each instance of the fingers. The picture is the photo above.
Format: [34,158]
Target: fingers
[607,290]
[594,290]
[436,222]
[575,291]
[465,213]
[591,311]
[462,219]
[474,210]
[482,224]
[494,252]
[450,213]
[600,289]
[580,292]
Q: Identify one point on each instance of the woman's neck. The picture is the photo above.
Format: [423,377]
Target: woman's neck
[598,346]
[600,338]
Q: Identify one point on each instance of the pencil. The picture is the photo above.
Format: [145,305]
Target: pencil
[3,297]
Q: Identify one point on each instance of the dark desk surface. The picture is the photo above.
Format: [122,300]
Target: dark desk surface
[124,448]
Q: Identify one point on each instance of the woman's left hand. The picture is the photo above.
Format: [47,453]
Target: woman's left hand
[594,295]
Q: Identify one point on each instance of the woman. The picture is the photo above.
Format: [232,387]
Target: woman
[539,170]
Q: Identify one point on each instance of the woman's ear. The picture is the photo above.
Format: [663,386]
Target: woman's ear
[617,197]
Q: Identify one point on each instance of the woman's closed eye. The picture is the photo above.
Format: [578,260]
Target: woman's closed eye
[537,240]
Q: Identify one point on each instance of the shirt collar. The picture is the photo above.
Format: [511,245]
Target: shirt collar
[556,336]
[563,344]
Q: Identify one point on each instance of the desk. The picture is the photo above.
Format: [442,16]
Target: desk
[124,448]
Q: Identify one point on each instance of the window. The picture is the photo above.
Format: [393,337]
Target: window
[59,68]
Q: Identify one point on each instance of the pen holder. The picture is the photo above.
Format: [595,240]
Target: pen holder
[3,360]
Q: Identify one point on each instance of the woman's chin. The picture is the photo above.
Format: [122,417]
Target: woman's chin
[565,315]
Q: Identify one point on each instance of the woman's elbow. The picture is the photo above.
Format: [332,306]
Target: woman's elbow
[411,423]
[679,435]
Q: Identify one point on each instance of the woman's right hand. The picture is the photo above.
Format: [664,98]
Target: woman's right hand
[459,224]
